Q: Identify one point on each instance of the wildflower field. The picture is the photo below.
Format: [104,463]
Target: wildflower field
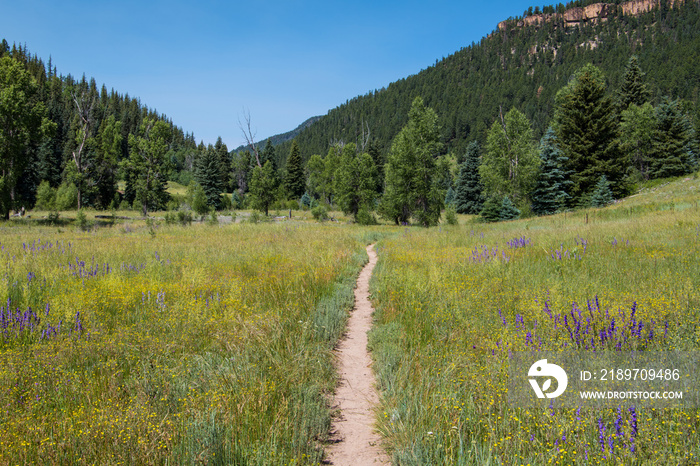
[171,345]
[453,304]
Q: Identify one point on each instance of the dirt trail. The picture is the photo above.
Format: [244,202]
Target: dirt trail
[357,442]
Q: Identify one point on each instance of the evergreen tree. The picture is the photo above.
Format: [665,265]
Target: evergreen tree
[491,211]
[146,165]
[602,195]
[450,197]
[294,180]
[550,192]
[508,210]
[411,188]
[207,173]
[673,141]
[22,118]
[109,142]
[269,153]
[468,189]
[586,128]
[633,89]
[263,186]
[224,164]
[510,164]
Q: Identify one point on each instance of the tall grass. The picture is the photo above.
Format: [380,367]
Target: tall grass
[171,345]
[454,303]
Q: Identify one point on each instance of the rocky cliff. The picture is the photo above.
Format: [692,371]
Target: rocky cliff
[596,12]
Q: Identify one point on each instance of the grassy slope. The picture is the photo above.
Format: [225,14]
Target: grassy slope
[442,347]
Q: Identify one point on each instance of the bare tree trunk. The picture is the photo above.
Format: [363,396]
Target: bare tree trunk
[249,137]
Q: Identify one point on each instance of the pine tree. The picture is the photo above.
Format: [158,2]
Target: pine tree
[673,141]
[491,211]
[508,210]
[269,153]
[602,195]
[586,129]
[294,180]
[450,197]
[633,89]
[224,164]
[550,193]
[207,173]
[468,189]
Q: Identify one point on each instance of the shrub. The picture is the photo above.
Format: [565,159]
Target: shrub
[67,197]
[365,217]
[320,213]
[82,221]
[45,196]
[451,215]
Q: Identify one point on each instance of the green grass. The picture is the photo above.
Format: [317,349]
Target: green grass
[201,344]
[442,351]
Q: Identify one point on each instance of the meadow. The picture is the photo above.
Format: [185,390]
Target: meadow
[454,303]
[144,343]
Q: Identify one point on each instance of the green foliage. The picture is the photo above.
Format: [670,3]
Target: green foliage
[22,122]
[637,125]
[586,128]
[210,173]
[508,210]
[198,199]
[45,196]
[146,167]
[355,181]
[263,186]
[320,213]
[294,181]
[602,195]
[450,197]
[468,196]
[522,67]
[365,217]
[633,89]
[510,164]
[67,197]
[550,192]
[674,147]
[451,215]
[411,187]
[491,211]
[305,201]
[82,221]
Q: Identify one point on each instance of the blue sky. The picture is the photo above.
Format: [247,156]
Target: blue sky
[205,63]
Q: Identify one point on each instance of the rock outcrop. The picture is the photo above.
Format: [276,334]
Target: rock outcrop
[591,13]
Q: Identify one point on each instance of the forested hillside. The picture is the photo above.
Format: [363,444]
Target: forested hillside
[74,135]
[613,87]
[523,67]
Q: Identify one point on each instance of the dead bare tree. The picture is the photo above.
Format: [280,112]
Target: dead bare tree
[364,137]
[249,136]
[85,104]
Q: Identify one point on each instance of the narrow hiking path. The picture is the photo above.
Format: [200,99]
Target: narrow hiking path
[357,442]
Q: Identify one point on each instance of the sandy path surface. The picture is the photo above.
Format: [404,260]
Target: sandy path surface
[357,442]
